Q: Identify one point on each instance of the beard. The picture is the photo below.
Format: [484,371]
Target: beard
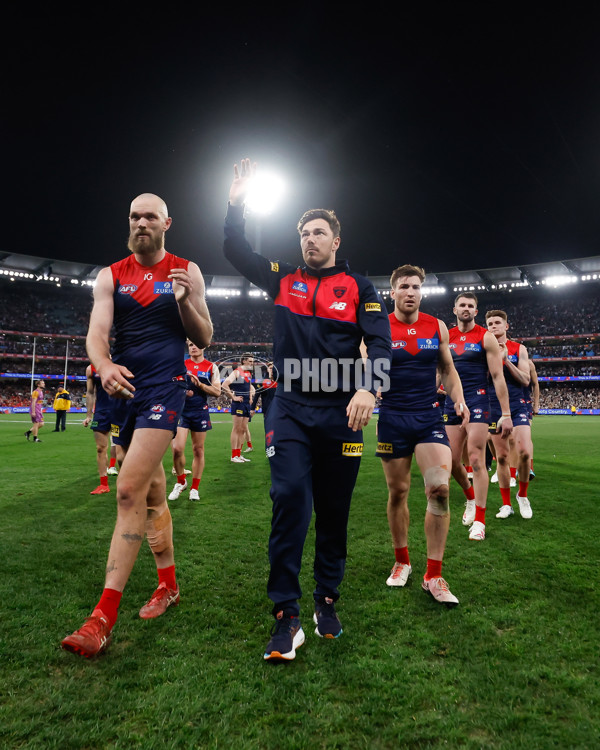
[149,245]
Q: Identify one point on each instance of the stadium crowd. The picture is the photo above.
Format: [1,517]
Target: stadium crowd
[562,326]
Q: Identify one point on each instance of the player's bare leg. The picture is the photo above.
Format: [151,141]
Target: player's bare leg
[397,476]
[435,462]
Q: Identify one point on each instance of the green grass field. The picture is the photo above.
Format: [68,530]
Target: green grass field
[514,666]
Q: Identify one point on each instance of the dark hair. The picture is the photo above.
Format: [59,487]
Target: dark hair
[496,314]
[468,295]
[321,213]
[406,270]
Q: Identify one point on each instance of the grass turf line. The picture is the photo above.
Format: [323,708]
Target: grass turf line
[514,665]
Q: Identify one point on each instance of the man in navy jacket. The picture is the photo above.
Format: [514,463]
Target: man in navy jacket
[324,314]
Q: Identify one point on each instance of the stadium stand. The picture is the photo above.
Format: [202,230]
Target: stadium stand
[44,314]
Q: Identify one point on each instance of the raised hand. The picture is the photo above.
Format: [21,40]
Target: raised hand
[242,175]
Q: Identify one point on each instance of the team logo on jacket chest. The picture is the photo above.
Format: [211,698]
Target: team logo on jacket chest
[299,289]
[339,291]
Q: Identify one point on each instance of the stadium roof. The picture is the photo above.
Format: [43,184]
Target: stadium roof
[37,268]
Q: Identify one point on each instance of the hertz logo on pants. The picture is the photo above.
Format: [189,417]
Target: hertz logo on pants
[114,430]
[385,448]
[352,449]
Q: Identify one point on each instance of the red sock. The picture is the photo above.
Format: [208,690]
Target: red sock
[113,462]
[434,569]
[109,604]
[469,469]
[531,467]
[249,444]
[195,483]
[470,493]
[104,481]
[480,514]
[513,472]
[181,479]
[167,576]
[401,554]
[523,488]
[236,452]
[505,493]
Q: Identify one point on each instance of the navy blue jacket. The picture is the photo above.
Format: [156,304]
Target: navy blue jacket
[321,317]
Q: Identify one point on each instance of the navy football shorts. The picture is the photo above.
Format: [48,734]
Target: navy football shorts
[196,421]
[479,410]
[519,413]
[153,407]
[102,420]
[398,434]
[240,409]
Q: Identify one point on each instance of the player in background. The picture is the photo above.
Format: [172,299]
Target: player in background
[195,419]
[265,394]
[517,375]
[35,411]
[410,422]
[238,387]
[532,399]
[476,356]
[155,300]
[98,418]
[323,311]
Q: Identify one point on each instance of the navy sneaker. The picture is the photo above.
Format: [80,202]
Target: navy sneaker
[286,636]
[326,619]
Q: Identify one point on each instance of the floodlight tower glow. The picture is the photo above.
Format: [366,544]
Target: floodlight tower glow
[265,192]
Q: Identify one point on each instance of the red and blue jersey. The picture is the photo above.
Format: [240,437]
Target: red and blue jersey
[515,388]
[149,335]
[204,372]
[415,354]
[516,392]
[242,384]
[470,359]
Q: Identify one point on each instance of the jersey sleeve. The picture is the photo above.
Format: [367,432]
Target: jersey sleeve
[264,273]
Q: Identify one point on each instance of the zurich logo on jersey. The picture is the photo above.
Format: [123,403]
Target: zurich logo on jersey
[427,343]
[127,288]
[163,287]
[472,347]
[300,286]
[398,344]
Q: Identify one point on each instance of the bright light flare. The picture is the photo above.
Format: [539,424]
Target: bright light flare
[265,193]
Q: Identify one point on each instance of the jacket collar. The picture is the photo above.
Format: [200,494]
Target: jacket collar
[340,267]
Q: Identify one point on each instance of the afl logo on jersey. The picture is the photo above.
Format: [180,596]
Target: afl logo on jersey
[163,287]
[398,344]
[127,289]
[157,408]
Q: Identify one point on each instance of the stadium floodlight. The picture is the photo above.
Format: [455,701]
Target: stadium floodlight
[265,192]
[560,280]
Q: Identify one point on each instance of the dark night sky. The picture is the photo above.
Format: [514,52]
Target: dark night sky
[451,137]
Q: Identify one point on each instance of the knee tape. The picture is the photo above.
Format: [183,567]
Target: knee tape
[436,478]
[438,506]
[159,528]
